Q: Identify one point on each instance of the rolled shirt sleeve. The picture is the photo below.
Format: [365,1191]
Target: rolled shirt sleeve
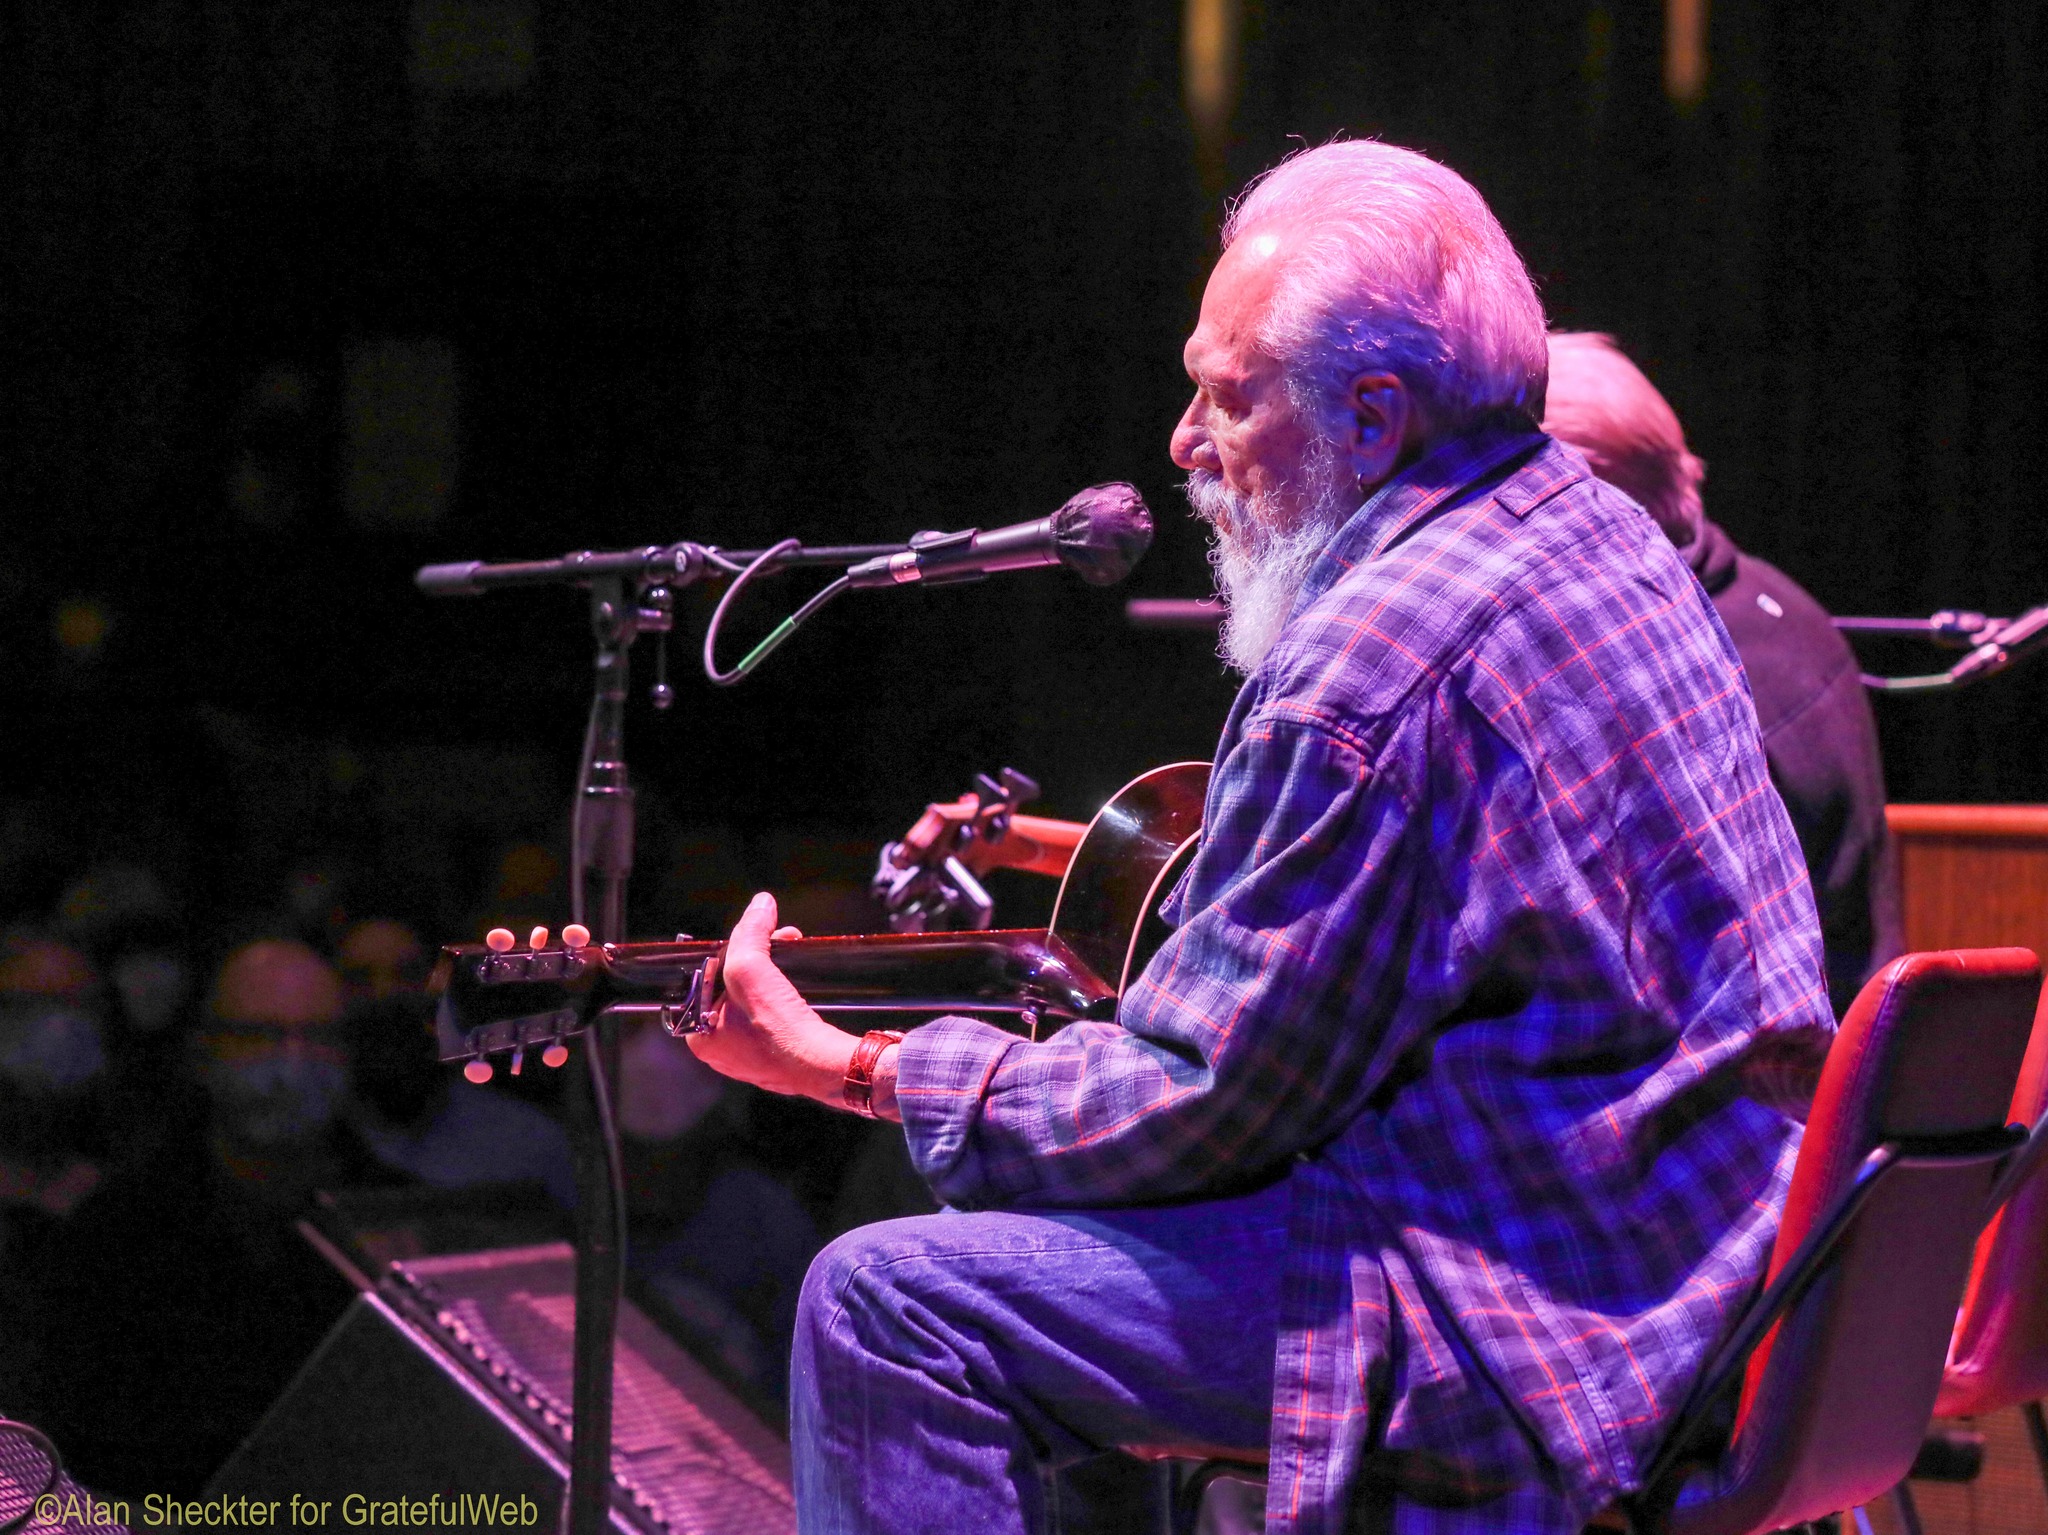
[1257,1031]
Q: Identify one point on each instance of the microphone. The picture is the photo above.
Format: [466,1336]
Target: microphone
[1998,646]
[1099,535]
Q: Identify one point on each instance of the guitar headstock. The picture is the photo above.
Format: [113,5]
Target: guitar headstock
[497,997]
[930,878]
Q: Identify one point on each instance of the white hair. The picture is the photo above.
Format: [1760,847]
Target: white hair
[1401,267]
[1601,404]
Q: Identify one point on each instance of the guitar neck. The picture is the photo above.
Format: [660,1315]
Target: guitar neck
[1035,979]
[1035,844]
[492,1002]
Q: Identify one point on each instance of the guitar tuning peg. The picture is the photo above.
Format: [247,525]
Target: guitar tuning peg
[478,1071]
[518,1059]
[555,1056]
[537,939]
[1021,788]
[498,939]
[575,936]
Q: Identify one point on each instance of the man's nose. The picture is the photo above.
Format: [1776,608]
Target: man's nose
[1192,447]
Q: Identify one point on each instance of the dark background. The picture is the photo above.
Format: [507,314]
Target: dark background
[300,295]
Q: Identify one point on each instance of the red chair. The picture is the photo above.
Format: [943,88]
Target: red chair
[1840,1358]
[1998,1356]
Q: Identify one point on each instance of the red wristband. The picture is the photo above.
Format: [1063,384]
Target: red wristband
[859,1092]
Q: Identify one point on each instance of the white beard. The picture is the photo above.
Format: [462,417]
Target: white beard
[1260,566]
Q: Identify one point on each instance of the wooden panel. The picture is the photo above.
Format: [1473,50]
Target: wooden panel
[1974,876]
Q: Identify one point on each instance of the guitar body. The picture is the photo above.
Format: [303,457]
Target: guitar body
[1103,930]
[1107,910]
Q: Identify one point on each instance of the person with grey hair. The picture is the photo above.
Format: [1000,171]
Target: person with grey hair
[1820,736]
[1372,1176]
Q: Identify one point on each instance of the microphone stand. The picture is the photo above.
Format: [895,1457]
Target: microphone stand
[1993,645]
[1098,533]
[631,593]
[601,861]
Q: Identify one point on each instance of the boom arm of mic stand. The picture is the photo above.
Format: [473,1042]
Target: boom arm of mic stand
[679,564]
[1956,629]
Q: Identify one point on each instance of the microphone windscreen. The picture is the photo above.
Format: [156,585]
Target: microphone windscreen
[1100,533]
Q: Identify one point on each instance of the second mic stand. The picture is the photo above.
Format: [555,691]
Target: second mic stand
[1993,643]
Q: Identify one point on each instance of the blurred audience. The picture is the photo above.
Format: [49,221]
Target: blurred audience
[274,1061]
[417,1117]
[53,1072]
[705,880]
[527,891]
[110,901]
[176,1089]
[152,984]
[314,902]
[381,958]
[719,1245]
[177,1302]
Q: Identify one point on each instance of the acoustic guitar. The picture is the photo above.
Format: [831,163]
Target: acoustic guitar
[1104,928]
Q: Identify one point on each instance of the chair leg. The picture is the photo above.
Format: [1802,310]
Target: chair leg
[1907,1510]
[2037,1431]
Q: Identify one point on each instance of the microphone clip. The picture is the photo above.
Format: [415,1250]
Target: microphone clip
[909,564]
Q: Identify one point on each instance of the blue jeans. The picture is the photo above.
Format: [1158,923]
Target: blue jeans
[947,1364]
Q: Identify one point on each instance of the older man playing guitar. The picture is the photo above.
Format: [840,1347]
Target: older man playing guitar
[1432,1149]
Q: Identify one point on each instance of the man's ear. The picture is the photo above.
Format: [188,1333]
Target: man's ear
[1380,427]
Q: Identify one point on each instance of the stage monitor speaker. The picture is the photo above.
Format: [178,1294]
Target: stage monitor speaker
[24,1478]
[452,1378]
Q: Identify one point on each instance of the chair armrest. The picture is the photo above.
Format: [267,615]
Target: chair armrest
[2024,1164]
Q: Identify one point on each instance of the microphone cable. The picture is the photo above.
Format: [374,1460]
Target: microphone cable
[775,636]
[1925,682]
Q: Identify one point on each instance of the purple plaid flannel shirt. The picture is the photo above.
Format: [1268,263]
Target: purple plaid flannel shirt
[1500,933]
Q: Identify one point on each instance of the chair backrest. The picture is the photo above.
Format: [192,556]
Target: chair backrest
[1837,1397]
[1999,1355]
